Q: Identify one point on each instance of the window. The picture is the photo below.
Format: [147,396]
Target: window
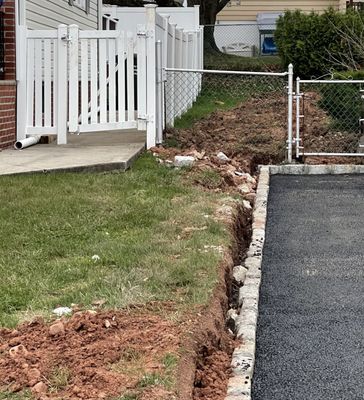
[82,4]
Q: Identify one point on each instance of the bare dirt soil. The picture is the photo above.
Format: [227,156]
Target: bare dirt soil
[255,133]
[87,356]
[252,133]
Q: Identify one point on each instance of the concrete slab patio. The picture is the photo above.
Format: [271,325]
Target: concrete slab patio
[94,151]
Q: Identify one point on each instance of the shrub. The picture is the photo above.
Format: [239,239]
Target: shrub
[315,43]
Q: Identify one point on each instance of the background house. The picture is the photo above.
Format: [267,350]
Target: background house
[247,10]
[48,14]
[243,25]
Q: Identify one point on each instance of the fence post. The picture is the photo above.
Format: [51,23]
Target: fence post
[142,77]
[298,116]
[290,112]
[170,111]
[151,75]
[201,58]
[62,44]
[21,77]
[73,79]
[159,108]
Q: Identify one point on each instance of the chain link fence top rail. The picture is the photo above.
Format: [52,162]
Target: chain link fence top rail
[333,116]
[225,102]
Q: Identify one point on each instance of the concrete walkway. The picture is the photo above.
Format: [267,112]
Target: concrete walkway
[94,151]
[310,338]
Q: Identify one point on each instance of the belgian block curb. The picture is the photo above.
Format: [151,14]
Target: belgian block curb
[239,385]
[243,359]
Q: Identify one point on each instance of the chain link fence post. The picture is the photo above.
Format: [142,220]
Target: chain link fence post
[290,112]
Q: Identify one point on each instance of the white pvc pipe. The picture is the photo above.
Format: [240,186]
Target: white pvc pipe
[22,144]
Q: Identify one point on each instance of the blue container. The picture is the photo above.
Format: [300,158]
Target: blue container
[269,47]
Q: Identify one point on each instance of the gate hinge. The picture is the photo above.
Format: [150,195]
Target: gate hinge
[144,33]
[146,118]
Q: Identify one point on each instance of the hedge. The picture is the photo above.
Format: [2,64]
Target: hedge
[312,42]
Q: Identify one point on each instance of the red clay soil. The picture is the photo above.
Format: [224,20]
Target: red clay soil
[250,134]
[255,133]
[88,356]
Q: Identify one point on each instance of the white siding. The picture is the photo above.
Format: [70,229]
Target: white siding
[48,14]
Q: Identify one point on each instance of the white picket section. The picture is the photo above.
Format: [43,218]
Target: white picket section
[75,81]
[104,74]
[39,83]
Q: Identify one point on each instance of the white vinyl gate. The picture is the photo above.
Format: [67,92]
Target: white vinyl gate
[81,81]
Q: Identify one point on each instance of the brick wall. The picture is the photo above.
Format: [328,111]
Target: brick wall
[8,84]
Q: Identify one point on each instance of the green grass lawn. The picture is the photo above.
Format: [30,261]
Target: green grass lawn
[237,63]
[52,225]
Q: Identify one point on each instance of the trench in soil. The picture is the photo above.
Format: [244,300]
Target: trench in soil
[214,343]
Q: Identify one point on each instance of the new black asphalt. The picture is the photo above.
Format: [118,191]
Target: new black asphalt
[310,338]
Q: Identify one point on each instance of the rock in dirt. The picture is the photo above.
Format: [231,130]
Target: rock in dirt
[198,155]
[249,178]
[18,351]
[239,273]
[184,161]
[59,311]
[250,197]
[247,205]
[57,329]
[245,188]
[231,317]
[40,388]
[33,376]
[222,156]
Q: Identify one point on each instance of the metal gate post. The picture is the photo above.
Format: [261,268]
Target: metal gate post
[290,112]
[298,117]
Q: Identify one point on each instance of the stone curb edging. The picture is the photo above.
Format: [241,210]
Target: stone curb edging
[243,359]
[306,169]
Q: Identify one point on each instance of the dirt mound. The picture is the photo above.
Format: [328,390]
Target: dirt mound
[252,133]
[255,132]
[89,356]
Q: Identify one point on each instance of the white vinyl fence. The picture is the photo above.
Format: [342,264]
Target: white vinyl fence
[85,81]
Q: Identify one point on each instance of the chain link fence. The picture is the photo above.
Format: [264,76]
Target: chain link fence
[332,116]
[245,102]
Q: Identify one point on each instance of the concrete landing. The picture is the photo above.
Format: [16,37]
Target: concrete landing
[92,151]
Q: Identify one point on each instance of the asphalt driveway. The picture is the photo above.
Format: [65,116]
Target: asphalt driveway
[310,339]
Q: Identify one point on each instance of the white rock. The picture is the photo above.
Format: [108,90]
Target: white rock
[249,178]
[222,156]
[247,205]
[184,161]
[59,311]
[244,188]
[239,273]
